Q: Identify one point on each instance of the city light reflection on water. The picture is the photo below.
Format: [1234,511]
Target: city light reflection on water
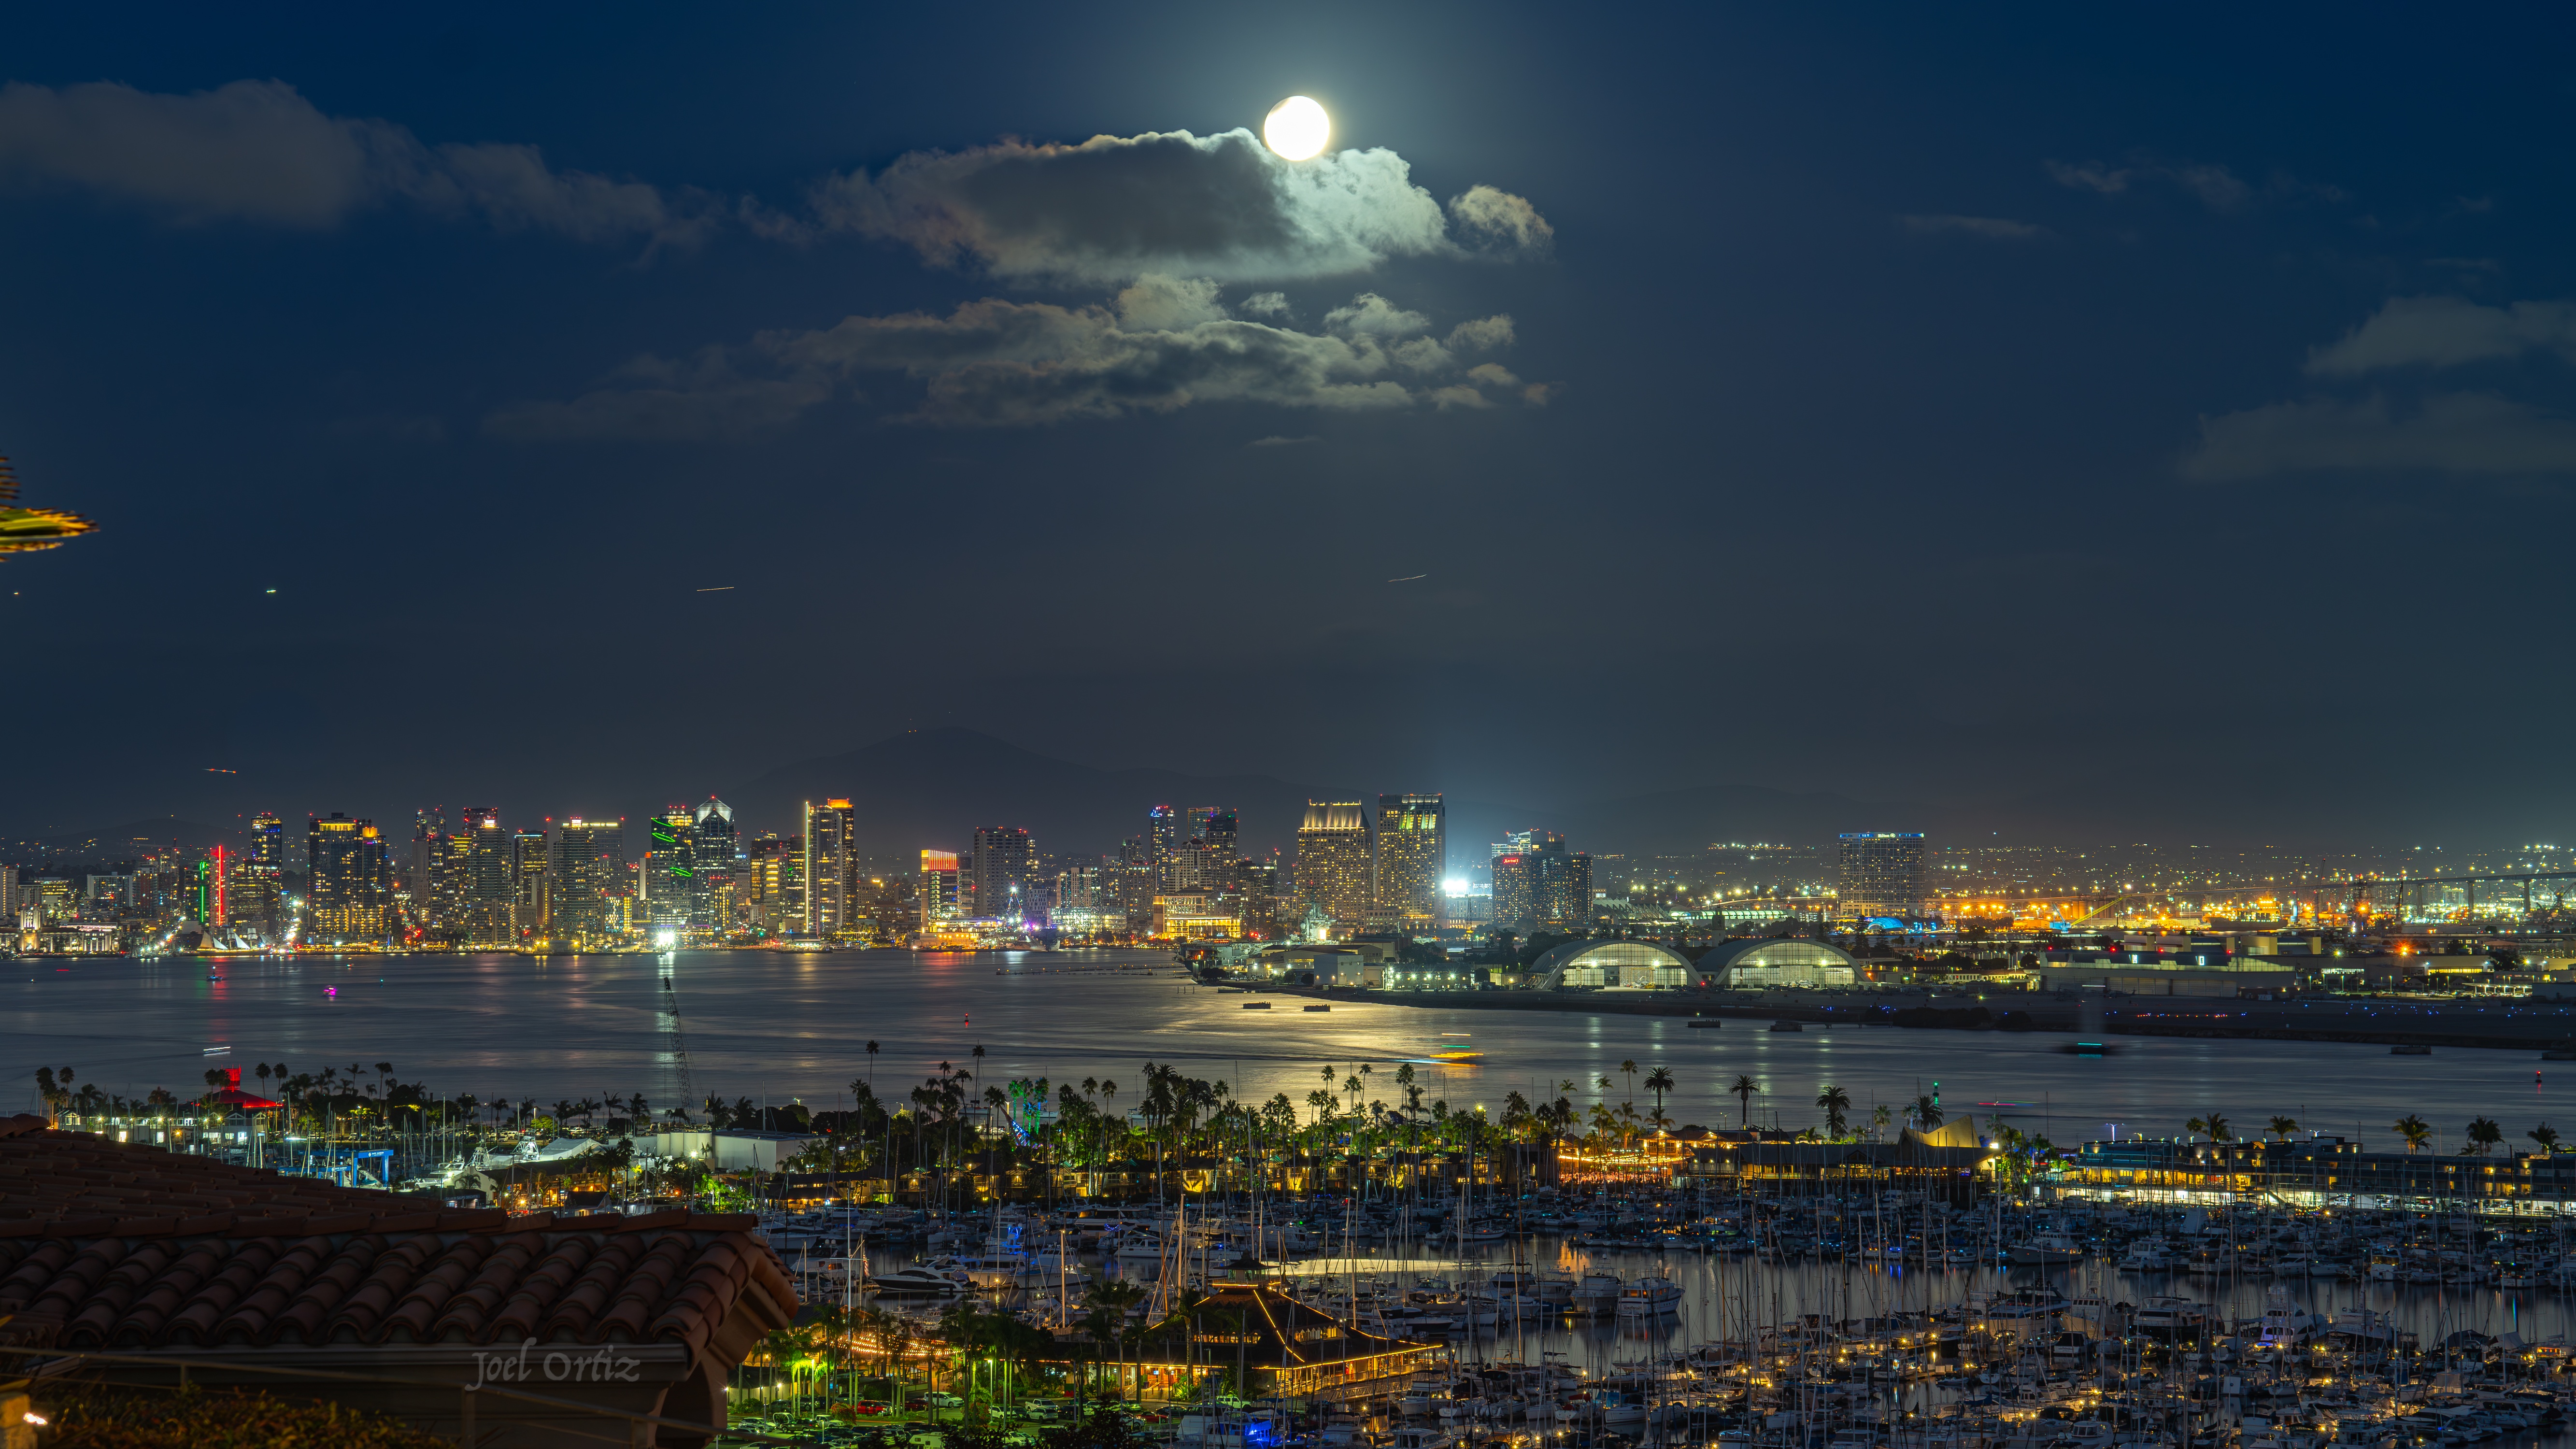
[785,1025]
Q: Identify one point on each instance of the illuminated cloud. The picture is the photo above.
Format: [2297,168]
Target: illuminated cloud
[256,151]
[1115,208]
[2457,433]
[1159,347]
[2446,332]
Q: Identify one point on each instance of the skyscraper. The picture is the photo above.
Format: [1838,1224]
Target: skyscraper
[1163,834]
[486,878]
[711,856]
[999,874]
[431,892]
[938,888]
[771,871]
[1412,858]
[589,868]
[531,885]
[671,869]
[828,862]
[258,890]
[1882,874]
[1544,887]
[348,890]
[1335,861]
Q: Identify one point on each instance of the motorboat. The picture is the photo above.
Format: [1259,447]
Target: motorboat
[2045,1248]
[917,1280]
[1646,1297]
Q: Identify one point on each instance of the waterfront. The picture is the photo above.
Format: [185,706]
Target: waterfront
[779,1025]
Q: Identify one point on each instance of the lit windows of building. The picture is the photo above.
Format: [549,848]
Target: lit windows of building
[349,889]
[998,874]
[1336,861]
[1882,875]
[1412,860]
[588,883]
[939,888]
[829,861]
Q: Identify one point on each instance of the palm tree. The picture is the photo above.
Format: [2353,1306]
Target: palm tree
[1744,1090]
[2284,1127]
[1659,1081]
[1629,1068]
[1926,1112]
[1879,1117]
[2545,1135]
[2214,1125]
[2414,1129]
[872,1065]
[2483,1133]
[1836,1102]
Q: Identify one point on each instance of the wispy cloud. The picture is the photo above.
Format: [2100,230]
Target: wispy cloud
[1160,346]
[258,152]
[2446,332]
[2452,433]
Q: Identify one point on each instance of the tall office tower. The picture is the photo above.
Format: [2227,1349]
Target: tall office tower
[484,867]
[1882,875]
[531,888]
[258,894]
[670,864]
[712,853]
[1334,861]
[1001,873]
[588,871]
[348,890]
[1412,858]
[1522,842]
[427,868]
[828,862]
[1164,832]
[1255,886]
[1545,888]
[938,888]
[767,886]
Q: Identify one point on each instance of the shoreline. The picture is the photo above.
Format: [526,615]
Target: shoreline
[2500,1029]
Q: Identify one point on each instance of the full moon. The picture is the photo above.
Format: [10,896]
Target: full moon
[1297,129]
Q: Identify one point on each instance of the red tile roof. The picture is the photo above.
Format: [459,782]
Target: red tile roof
[111,1246]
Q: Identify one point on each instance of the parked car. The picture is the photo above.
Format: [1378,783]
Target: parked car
[945,1401]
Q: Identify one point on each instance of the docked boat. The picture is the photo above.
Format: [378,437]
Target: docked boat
[2044,1249]
[917,1280]
[1648,1297]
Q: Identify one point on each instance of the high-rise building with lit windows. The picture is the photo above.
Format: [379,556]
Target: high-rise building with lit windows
[671,868]
[939,888]
[484,866]
[1336,861]
[828,862]
[999,874]
[1542,887]
[588,874]
[531,885]
[349,892]
[1412,860]
[712,847]
[768,885]
[1882,875]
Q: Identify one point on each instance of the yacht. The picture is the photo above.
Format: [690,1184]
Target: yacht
[2046,1248]
[1647,1297]
[917,1280]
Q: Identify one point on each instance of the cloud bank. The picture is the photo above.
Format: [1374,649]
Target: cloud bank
[2467,434]
[2447,332]
[2462,433]
[1169,203]
[1161,345]
[256,151]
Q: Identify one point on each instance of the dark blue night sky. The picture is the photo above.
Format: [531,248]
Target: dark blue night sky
[2127,427]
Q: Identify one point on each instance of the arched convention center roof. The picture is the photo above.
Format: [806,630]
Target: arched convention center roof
[1635,964]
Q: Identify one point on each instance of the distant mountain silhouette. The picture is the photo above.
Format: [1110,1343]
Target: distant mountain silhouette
[933,787]
[116,842]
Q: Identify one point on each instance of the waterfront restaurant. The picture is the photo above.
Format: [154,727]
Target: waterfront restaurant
[2321,1171]
[1947,1159]
[1272,1345]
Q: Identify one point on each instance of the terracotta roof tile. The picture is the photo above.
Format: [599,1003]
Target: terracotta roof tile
[108,1244]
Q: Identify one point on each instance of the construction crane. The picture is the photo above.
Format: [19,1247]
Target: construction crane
[675,1045]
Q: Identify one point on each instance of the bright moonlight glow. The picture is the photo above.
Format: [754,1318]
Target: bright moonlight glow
[1297,129]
